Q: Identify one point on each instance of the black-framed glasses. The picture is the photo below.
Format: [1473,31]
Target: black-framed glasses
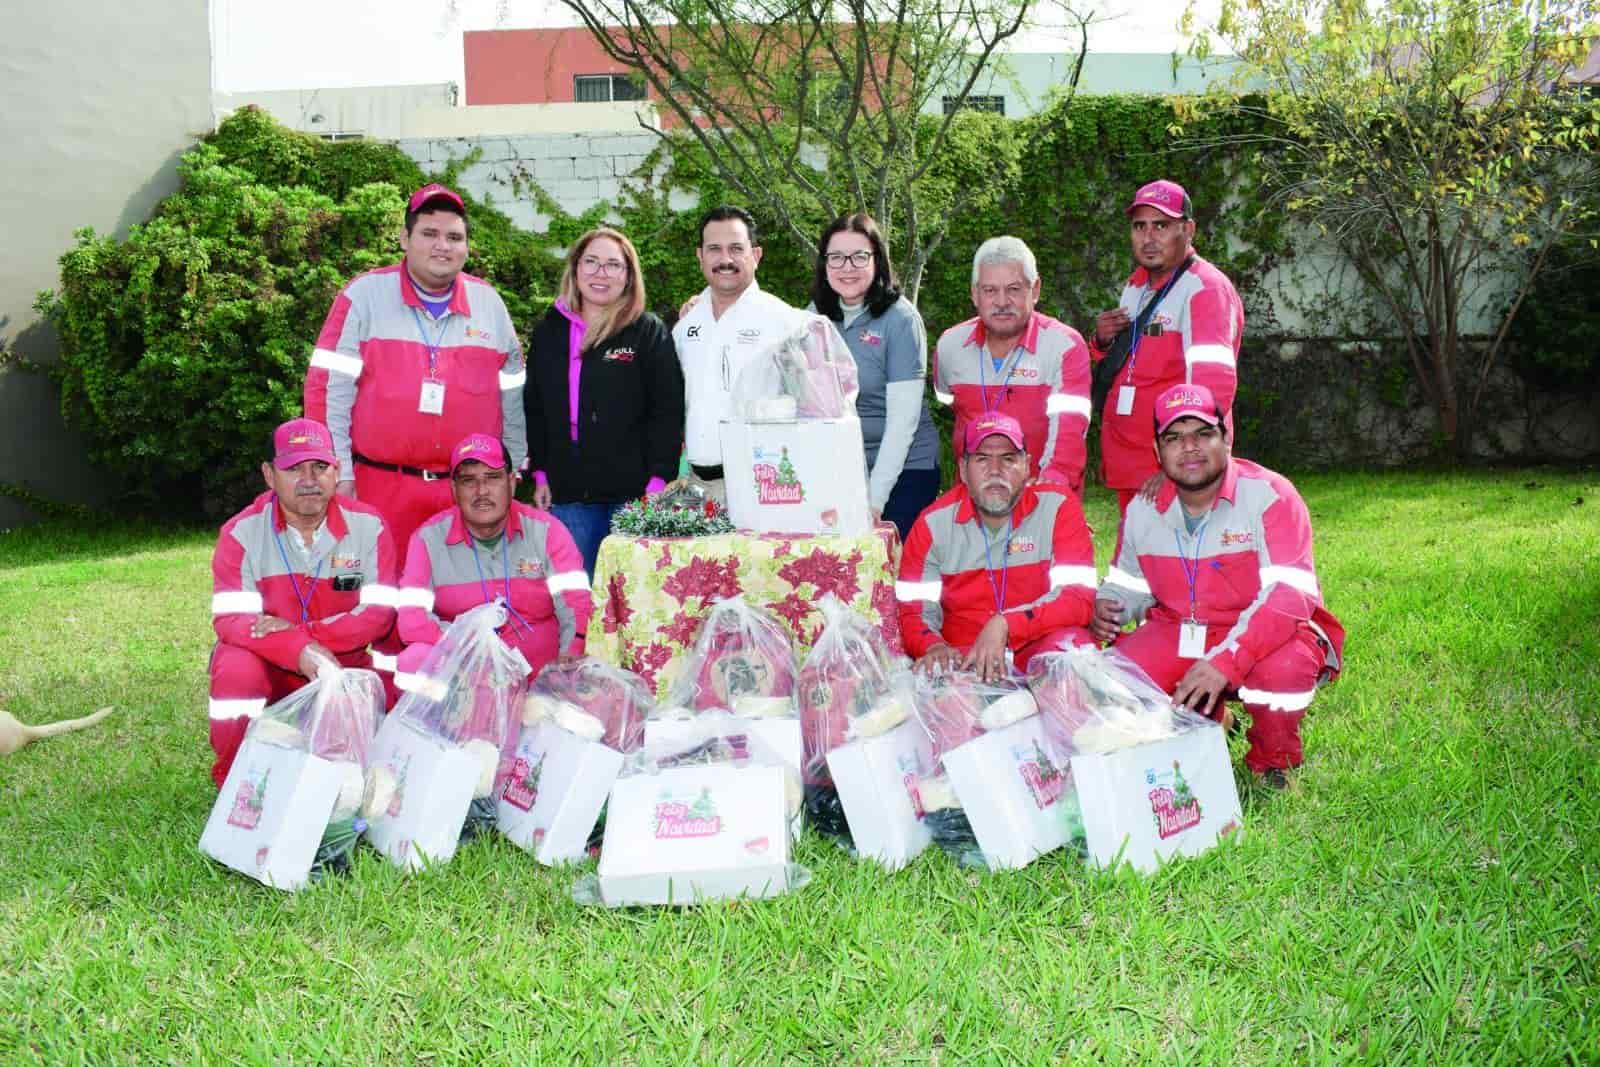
[860,258]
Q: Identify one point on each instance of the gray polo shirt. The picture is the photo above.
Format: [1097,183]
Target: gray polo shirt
[892,347]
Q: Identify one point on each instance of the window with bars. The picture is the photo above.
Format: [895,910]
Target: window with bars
[996,104]
[604,88]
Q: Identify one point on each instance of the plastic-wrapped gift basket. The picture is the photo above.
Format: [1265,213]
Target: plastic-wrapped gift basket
[808,374]
[579,720]
[442,755]
[291,807]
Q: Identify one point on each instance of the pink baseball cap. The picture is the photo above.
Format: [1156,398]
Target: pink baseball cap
[299,440]
[1166,197]
[481,447]
[1186,402]
[991,423]
[435,191]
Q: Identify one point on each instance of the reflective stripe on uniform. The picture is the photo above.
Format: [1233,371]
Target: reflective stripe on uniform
[1064,574]
[568,582]
[422,685]
[1303,580]
[944,398]
[513,381]
[1117,576]
[235,709]
[414,597]
[382,595]
[1210,354]
[1067,404]
[236,603]
[381,662]
[337,362]
[918,590]
[1277,701]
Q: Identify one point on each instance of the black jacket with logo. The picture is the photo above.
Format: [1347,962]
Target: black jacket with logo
[630,411]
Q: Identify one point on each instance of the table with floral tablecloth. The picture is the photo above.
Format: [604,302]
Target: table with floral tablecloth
[651,593]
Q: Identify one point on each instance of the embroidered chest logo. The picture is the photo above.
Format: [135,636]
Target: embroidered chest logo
[620,355]
[344,563]
[478,333]
[694,331]
[530,568]
[749,336]
[869,337]
[1021,546]
[1025,370]
[1244,538]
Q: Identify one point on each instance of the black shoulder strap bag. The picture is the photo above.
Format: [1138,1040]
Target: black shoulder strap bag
[1116,357]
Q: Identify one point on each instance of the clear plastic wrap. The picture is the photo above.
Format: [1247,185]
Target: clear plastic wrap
[333,717]
[593,700]
[954,707]
[470,694]
[808,374]
[742,661]
[1100,701]
[844,692]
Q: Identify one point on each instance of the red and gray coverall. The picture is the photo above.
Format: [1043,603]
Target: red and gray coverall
[1255,590]
[376,350]
[536,570]
[954,575]
[1043,384]
[340,593]
[1200,326]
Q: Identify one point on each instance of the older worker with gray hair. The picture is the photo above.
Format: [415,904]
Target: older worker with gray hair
[1013,360]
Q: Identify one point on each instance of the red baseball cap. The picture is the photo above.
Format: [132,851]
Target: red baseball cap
[481,447]
[1185,401]
[435,191]
[299,440]
[991,423]
[1166,197]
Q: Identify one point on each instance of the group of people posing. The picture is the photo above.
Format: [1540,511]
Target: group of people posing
[389,508]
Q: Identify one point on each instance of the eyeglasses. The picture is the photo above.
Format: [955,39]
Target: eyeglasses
[592,265]
[859,258]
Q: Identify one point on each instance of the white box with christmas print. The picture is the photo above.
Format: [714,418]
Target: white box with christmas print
[877,782]
[1011,783]
[432,783]
[796,476]
[689,834]
[271,814]
[1146,803]
[779,733]
[557,786]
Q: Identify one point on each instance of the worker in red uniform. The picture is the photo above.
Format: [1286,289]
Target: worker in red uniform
[1179,320]
[1014,360]
[301,578]
[490,547]
[411,359]
[1218,571]
[999,568]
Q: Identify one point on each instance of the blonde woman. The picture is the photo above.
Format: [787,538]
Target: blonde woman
[604,397]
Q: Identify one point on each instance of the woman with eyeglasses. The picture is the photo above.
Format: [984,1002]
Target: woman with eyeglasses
[855,286]
[604,396]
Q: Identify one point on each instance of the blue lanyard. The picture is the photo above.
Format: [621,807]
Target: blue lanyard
[1191,568]
[1147,314]
[305,601]
[999,591]
[432,344]
[1004,383]
[505,562]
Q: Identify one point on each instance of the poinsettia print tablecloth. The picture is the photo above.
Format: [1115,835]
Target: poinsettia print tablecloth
[651,593]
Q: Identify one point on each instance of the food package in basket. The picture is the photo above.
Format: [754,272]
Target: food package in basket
[706,816]
[742,662]
[291,807]
[877,775]
[1152,780]
[996,771]
[578,721]
[808,374]
[443,753]
[844,692]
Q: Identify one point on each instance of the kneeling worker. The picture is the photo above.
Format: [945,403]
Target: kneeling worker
[1219,570]
[491,547]
[300,578]
[997,568]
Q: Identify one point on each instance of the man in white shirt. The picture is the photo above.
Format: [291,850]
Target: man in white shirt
[730,323]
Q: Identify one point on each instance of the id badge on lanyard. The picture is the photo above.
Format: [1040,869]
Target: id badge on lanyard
[431,400]
[1192,633]
[1192,640]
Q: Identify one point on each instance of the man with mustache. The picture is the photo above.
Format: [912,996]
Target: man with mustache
[1013,360]
[300,579]
[490,547]
[998,569]
[1180,320]
[412,358]
[723,329]
[1218,570]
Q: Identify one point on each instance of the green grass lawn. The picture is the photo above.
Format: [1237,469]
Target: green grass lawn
[1427,889]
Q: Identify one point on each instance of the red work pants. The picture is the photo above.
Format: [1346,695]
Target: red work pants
[404,500]
[1276,692]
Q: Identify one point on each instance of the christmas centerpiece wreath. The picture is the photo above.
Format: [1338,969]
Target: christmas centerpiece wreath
[684,510]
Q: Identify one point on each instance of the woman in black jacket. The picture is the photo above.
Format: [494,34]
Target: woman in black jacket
[604,396]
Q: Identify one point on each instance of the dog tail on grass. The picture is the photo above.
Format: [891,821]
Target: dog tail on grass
[14,734]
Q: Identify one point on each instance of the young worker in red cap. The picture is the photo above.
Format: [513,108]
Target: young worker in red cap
[490,547]
[300,578]
[1218,572]
[999,568]
[1179,320]
[411,359]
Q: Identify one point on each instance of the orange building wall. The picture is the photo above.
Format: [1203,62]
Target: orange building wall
[531,66]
